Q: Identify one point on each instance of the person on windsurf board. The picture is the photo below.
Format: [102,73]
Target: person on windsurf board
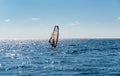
[54,38]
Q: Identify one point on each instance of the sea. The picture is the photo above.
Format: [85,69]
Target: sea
[71,57]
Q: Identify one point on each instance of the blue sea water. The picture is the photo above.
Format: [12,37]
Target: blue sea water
[72,57]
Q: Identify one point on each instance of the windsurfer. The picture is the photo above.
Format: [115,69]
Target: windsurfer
[52,42]
[54,38]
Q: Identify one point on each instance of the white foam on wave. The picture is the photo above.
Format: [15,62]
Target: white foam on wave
[0,65]
[11,55]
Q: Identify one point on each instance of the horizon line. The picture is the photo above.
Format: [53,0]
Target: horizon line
[59,38]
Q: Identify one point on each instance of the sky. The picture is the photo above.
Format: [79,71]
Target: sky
[35,19]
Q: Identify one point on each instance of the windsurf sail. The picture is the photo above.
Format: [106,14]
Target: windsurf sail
[54,37]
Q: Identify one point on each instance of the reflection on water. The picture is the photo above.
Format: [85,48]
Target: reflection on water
[71,57]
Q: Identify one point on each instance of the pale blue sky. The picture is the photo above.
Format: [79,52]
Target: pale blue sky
[76,18]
